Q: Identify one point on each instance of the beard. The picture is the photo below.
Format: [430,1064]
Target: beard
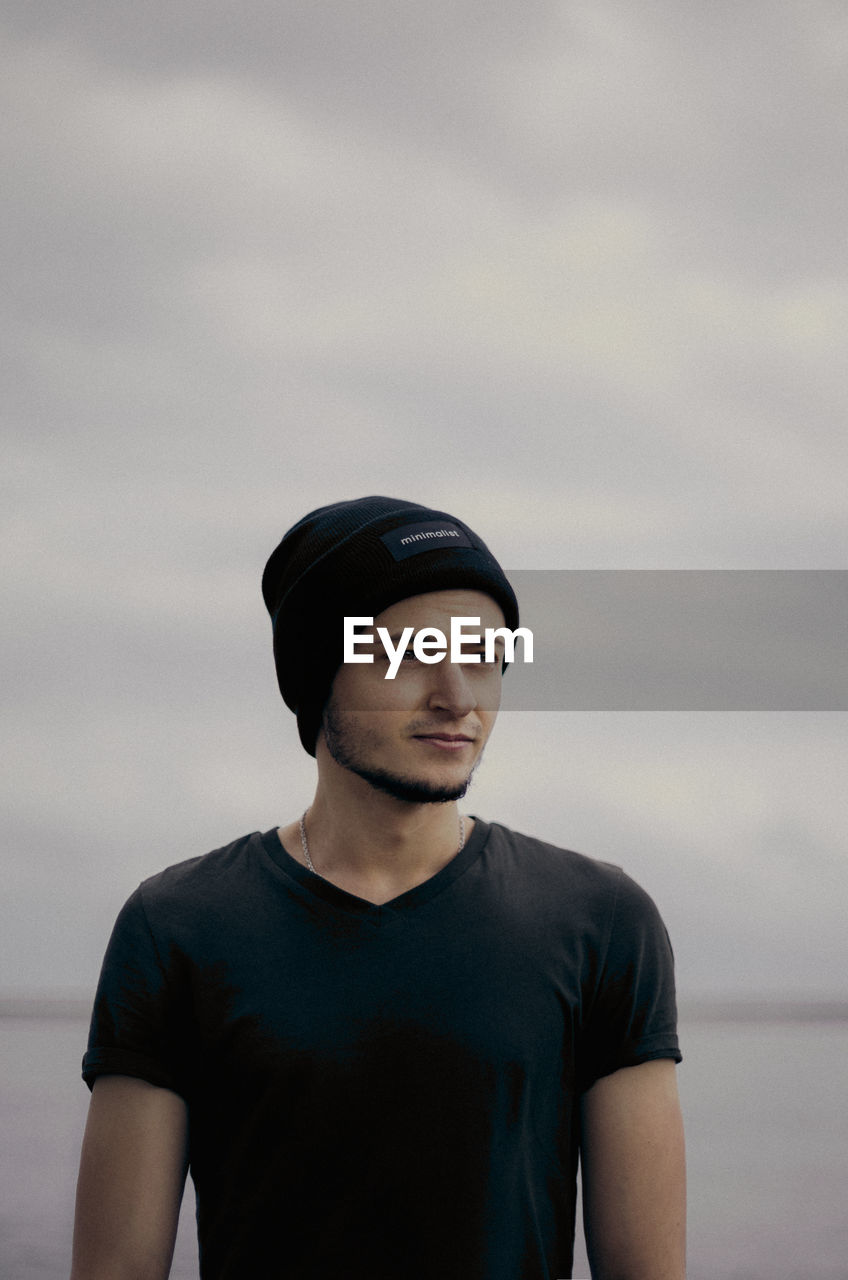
[345,747]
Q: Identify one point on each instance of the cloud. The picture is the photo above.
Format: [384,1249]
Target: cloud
[577,273]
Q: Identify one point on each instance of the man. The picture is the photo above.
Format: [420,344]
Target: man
[381,1033]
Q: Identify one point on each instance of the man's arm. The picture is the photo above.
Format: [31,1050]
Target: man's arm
[132,1174]
[634,1177]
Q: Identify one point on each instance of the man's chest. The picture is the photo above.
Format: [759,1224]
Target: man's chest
[486,1003]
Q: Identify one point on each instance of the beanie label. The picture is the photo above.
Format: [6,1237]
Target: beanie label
[429,535]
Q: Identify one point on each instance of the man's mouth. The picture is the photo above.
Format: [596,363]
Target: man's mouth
[446,741]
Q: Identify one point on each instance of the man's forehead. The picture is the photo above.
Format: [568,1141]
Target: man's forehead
[434,607]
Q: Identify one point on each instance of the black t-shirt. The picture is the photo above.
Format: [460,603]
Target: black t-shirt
[385,1091]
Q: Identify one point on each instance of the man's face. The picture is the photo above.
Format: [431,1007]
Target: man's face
[419,736]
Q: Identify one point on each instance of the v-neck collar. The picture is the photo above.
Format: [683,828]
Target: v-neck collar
[384,912]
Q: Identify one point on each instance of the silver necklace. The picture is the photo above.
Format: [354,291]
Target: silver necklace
[305,845]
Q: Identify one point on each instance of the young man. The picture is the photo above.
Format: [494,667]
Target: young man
[380,1034]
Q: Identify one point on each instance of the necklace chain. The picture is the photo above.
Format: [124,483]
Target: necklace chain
[305,844]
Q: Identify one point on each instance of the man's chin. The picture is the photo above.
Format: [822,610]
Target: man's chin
[412,790]
[345,750]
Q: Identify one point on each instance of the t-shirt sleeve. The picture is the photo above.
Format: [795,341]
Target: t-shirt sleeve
[133,1020]
[633,1016]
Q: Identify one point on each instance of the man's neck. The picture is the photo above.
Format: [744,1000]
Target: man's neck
[373,845]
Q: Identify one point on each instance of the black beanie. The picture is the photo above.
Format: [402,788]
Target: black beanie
[357,558]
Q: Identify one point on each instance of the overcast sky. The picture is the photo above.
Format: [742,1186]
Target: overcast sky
[575,272]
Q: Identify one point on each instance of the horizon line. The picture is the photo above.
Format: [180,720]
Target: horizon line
[726,1007]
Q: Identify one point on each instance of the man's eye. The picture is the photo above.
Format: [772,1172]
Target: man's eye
[483,663]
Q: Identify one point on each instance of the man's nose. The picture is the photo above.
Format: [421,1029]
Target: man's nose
[450,689]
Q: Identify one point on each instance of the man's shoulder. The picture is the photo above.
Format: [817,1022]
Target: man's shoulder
[214,872]
[573,886]
[532,860]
